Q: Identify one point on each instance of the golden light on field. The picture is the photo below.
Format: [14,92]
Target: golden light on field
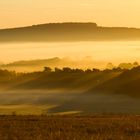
[15,13]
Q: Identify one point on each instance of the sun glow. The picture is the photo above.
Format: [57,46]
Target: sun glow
[107,13]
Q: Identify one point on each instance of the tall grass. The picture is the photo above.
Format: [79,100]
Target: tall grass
[92,127]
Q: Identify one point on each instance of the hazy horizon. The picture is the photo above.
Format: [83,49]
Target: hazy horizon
[102,51]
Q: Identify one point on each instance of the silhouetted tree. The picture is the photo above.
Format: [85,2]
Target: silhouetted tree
[126,66]
[57,70]
[88,71]
[135,64]
[110,66]
[67,69]
[47,69]
[95,70]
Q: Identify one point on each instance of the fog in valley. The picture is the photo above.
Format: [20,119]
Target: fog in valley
[24,57]
[69,91]
[46,102]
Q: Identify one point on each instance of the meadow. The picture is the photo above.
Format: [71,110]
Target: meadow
[70,127]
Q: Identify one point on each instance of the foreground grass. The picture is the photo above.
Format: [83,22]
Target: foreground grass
[92,127]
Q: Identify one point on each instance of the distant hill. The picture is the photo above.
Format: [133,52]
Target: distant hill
[33,65]
[39,64]
[55,32]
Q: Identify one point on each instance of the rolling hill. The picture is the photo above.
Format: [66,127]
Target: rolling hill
[126,83]
[116,81]
[55,32]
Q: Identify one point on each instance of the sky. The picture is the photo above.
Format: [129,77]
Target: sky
[16,13]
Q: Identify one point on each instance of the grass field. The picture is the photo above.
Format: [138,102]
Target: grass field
[70,127]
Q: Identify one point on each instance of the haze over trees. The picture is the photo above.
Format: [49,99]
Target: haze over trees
[115,81]
[38,64]
[83,63]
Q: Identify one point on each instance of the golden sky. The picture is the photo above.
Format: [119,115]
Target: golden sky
[15,13]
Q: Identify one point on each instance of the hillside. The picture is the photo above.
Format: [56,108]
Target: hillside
[71,90]
[126,83]
[32,65]
[116,81]
[68,32]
